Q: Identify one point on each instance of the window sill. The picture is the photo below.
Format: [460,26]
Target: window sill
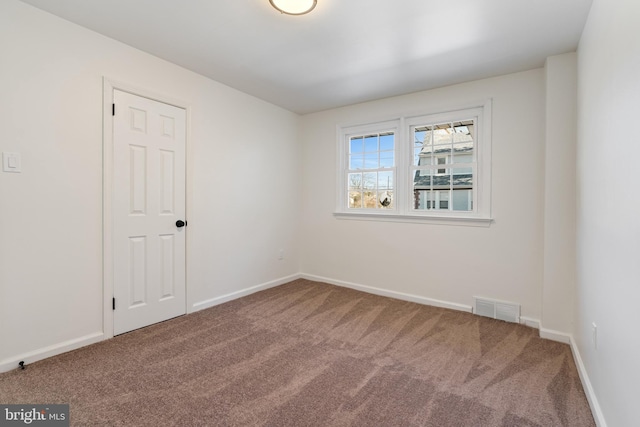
[466,221]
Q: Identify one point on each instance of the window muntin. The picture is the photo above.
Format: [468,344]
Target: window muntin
[371,175]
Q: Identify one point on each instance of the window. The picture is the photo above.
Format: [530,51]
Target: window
[371,174]
[431,167]
[449,144]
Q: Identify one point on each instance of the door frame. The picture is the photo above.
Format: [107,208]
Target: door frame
[109,85]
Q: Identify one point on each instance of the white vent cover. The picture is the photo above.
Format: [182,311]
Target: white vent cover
[507,311]
[485,308]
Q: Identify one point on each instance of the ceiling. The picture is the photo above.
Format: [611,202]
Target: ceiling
[344,51]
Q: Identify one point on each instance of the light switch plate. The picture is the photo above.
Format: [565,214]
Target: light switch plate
[11,162]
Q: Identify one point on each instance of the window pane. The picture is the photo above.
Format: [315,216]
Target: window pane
[355,181]
[442,200]
[369,181]
[442,134]
[462,200]
[387,142]
[385,199]
[463,131]
[356,145]
[371,143]
[442,150]
[355,193]
[427,157]
[417,158]
[356,162]
[442,139]
[355,199]
[385,180]
[422,199]
[429,138]
[462,156]
[370,199]
[422,179]
[422,146]
[371,160]
[386,159]
[442,181]
[462,178]
[463,142]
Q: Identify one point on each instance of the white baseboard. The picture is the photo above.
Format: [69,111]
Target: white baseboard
[52,350]
[552,335]
[391,294]
[241,293]
[530,322]
[598,416]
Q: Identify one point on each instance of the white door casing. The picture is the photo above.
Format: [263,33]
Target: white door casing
[148,198]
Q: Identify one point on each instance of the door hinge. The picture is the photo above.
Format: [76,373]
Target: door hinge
[113,109]
[113,303]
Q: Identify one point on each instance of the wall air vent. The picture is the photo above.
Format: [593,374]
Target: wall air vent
[509,312]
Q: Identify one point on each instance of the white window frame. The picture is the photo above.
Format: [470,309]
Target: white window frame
[345,135]
[403,209]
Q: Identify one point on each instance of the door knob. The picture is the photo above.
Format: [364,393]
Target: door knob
[180,223]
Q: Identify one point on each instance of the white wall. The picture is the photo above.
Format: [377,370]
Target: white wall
[608,206]
[558,286]
[443,262]
[243,188]
[248,178]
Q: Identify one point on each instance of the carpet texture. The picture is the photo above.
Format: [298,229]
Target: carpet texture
[313,354]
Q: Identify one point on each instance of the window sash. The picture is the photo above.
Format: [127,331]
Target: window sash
[382,153]
[378,189]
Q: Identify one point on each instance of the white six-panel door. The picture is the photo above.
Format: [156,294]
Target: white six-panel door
[148,199]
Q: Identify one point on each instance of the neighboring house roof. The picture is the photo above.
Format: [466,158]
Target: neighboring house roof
[457,149]
[462,181]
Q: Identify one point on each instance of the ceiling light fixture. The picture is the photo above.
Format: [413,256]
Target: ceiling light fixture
[294,7]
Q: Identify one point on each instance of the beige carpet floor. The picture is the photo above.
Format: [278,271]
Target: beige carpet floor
[313,354]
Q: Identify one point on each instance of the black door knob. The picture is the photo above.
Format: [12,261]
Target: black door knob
[180,223]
